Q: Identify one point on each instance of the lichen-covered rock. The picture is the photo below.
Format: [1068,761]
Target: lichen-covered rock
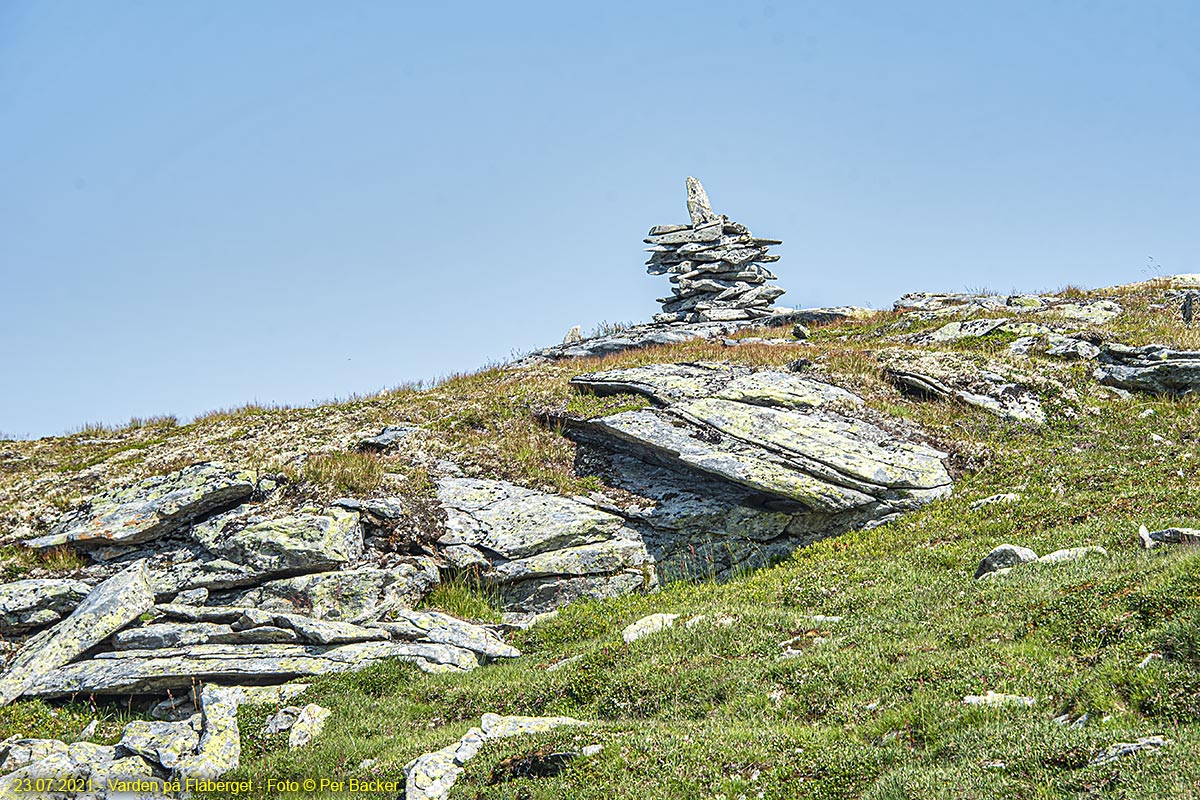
[357,595]
[220,745]
[534,542]
[35,603]
[152,671]
[150,509]
[161,635]
[299,543]
[17,752]
[109,607]
[1154,368]
[312,631]
[496,726]
[1151,539]
[1073,554]
[431,776]
[945,375]
[164,743]
[445,629]
[672,383]
[997,699]
[1003,557]
[308,725]
[825,462]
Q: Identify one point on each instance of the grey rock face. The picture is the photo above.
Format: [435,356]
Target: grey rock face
[534,542]
[1003,557]
[150,509]
[300,543]
[154,671]
[947,376]
[1154,368]
[737,468]
[36,603]
[220,746]
[357,595]
[714,264]
[109,607]
[164,743]
[445,629]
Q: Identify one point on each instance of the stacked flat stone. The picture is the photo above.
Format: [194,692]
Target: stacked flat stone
[715,265]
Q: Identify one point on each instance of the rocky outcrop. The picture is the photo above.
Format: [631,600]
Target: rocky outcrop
[538,550]
[357,595]
[110,607]
[150,509]
[734,468]
[944,376]
[1154,368]
[932,305]
[35,603]
[715,264]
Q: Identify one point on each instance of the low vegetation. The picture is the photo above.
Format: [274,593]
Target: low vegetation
[886,630]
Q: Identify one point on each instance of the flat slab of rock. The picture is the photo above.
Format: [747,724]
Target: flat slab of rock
[109,607]
[155,671]
[445,629]
[355,595]
[829,464]
[150,509]
[38,602]
[1154,368]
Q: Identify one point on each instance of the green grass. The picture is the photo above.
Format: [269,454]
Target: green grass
[869,707]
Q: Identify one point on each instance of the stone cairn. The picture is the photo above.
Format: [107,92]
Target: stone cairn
[714,264]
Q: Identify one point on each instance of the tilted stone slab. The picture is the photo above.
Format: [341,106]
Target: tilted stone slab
[150,509]
[817,483]
[855,450]
[154,671]
[35,603]
[671,383]
[1154,368]
[111,606]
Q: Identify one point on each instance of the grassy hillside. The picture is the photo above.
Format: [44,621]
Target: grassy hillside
[868,705]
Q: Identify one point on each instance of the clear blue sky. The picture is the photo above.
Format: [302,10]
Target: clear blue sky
[207,204]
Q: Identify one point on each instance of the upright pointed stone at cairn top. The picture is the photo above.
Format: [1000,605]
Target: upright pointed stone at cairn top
[715,265]
[698,205]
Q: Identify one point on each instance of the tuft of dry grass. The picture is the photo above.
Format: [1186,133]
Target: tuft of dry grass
[344,473]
